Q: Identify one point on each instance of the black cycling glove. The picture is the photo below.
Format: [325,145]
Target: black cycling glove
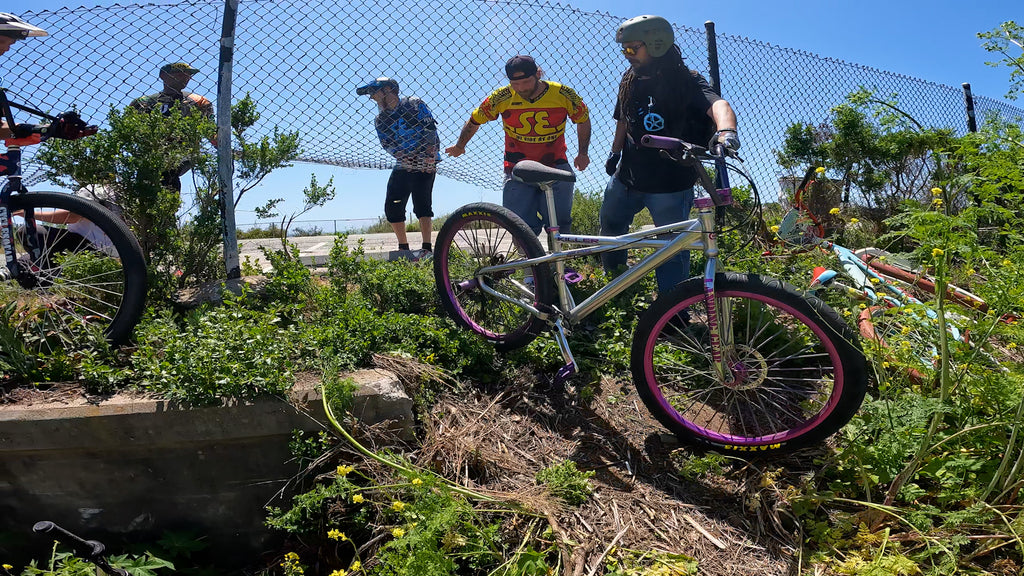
[727,138]
[612,163]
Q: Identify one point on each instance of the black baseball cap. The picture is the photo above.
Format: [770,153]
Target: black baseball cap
[520,66]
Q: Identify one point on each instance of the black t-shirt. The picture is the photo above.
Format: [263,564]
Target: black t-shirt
[662,108]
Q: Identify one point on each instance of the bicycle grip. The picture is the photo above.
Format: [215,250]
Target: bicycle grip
[660,142]
[89,548]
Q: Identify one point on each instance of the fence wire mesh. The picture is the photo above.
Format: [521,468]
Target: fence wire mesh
[302,60]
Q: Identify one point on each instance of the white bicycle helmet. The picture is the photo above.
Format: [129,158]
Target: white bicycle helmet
[14,27]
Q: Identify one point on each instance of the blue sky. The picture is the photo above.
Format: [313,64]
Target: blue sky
[932,40]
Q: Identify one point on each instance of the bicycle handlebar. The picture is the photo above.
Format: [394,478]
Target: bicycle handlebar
[66,125]
[691,155]
[91,550]
[88,548]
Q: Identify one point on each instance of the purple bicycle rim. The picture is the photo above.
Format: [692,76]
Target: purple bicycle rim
[779,437]
[453,298]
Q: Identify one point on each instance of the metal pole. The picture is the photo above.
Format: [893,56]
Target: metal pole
[715,80]
[225,164]
[972,121]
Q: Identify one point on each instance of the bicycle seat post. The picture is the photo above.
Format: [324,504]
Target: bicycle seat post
[555,245]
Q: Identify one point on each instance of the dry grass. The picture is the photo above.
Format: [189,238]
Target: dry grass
[496,441]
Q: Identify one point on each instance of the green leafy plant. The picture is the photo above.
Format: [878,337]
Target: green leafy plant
[567,482]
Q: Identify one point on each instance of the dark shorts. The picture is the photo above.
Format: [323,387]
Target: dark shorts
[402,185]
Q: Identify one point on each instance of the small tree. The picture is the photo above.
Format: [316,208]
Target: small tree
[876,150]
[182,242]
[314,195]
[999,40]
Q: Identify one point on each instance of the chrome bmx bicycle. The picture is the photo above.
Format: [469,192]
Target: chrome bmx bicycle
[729,361]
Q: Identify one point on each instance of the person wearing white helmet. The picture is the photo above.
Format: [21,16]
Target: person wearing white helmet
[13,29]
[658,95]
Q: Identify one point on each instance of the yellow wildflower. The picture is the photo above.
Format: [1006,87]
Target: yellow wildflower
[397,506]
[820,170]
[8,567]
[1011,345]
[355,566]
[291,556]
[337,535]
[775,229]
[875,280]
[398,532]
[862,306]
[416,481]
[937,202]
[1007,263]
[338,573]
[834,211]
[885,364]
[936,191]
[971,272]
[345,470]
[847,313]
[854,220]
[358,498]
[905,330]
[936,252]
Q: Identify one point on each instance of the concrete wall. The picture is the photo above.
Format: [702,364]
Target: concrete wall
[142,466]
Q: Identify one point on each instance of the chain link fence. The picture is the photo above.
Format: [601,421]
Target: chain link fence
[302,60]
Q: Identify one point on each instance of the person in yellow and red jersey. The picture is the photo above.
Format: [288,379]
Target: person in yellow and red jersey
[175,77]
[534,114]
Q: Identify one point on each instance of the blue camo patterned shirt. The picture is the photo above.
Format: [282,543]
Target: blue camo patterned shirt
[409,133]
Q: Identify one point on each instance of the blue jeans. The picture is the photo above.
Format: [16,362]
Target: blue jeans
[528,202]
[617,211]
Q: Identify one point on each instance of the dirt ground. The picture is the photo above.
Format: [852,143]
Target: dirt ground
[497,439]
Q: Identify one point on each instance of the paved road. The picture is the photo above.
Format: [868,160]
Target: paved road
[314,250]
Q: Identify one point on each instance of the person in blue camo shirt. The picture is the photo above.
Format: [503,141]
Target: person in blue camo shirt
[407,130]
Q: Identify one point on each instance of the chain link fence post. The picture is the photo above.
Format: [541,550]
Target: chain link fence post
[972,121]
[715,77]
[225,163]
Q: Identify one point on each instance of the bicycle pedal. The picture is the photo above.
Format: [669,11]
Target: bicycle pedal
[565,373]
[572,277]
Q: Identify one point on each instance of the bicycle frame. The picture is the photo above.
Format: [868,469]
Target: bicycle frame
[14,185]
[694,234]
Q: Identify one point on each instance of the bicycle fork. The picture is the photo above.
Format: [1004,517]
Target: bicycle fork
[720,325]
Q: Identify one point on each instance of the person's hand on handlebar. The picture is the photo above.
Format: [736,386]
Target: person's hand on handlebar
[68,126]
[728,138]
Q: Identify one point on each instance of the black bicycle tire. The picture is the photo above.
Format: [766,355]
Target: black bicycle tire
[133,262]
[524,239]
[842,349]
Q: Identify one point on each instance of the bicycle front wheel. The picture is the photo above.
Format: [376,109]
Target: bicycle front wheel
[82,269]
[479,235]
[797,372]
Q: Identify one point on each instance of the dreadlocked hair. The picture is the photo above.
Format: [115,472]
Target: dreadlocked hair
[670,68]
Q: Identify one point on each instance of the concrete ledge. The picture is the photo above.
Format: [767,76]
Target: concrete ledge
[143,465]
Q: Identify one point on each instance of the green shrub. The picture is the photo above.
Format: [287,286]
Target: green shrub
[567,483]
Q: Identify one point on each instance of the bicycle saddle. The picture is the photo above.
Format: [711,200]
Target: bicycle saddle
[533,172]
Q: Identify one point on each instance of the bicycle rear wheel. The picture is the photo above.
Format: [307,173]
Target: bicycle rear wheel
[799,373]
[87,272]
[479,235]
